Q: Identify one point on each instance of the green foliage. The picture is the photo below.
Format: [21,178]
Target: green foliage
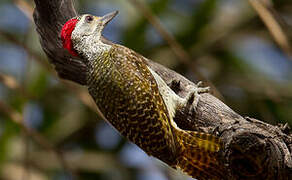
[199,19]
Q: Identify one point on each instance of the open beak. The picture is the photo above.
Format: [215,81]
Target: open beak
[108,17]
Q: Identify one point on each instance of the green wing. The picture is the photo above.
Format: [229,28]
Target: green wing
[129,98]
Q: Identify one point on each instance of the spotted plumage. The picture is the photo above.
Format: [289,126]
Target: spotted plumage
[126,93]
[138,103]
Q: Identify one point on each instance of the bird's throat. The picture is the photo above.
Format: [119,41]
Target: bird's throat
[91,47]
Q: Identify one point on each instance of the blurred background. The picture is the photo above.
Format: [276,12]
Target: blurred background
[49,128]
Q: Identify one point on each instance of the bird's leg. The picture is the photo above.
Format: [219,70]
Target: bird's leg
[193,97]
[175,103]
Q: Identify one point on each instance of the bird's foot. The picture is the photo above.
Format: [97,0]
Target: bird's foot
[193,97]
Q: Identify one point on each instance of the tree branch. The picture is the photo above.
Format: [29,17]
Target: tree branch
[252,149]
[177,48]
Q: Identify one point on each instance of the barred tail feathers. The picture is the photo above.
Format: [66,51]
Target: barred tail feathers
[198,155]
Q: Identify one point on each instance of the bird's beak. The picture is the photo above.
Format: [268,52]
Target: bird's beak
[108,17]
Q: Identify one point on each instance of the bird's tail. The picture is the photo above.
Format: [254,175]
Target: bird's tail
[199,155]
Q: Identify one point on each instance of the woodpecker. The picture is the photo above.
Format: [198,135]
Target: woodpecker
[137,102]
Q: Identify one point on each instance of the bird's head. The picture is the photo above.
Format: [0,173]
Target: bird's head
[82,29]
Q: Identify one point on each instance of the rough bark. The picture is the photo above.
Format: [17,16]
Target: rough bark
[252,149]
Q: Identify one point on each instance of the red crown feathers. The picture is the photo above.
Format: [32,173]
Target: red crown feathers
[66,35]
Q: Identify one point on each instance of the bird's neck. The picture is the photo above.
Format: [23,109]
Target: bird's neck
[91,48]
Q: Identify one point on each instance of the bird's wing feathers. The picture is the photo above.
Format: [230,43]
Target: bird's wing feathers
[131,102]
[145,117]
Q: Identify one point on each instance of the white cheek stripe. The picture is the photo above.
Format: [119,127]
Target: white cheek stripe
[169,97]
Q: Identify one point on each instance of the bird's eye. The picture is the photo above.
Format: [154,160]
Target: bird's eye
[88,19]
